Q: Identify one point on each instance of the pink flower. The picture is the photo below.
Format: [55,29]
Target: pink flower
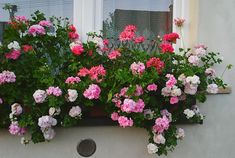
[39,96]
[152,87]
[21,18]
[131,28]
[1,101]
[77,49]
[45,23]
[16,109]
[7,77]
[190,89]
[210,72]
[179,22]
[171,82]
[161,124]
[139,90]
[193,59]
[93,92]
[14,54]
[48,133]
[15,129]
[166,48]
[128,33]
[56,91]
[36,30]
[83,72]
[200,46]
[46,121]
[139,107]
[114,55]
[75,111]
[155,62]
[128,105]
[137,68]
[123,91]
[174,100]
[96,71]
[72,80]
[106,42]
[139,39]
[72,28]
[171,37]
[125,122]
[27,48]
[114,116]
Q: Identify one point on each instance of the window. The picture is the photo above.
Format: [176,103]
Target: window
[152,17]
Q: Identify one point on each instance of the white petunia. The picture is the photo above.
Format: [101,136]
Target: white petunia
[152,148]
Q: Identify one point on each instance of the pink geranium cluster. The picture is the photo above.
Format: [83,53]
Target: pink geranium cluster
[7,77]
[171,37]
[45,23]
[139,39]
[125,122]
[56,91]
[72,80]
[36,30]
[94,73]
[171,81]
[13,54]
[137,68]
[128,33]
[155,62]
[130,105]
[15,129]
[21,19]
[114,55]
[93,92]
[161,124]
[152,87]
[27,48]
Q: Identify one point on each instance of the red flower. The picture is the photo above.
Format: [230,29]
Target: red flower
[83,72]
[72,28]
[77,49]
[73,35]
[166,47]
[27,48]
[139,39]
[171,37]
[155,62]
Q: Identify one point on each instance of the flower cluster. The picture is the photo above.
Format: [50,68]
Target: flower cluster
[94,73]
[7,77]
[92,92]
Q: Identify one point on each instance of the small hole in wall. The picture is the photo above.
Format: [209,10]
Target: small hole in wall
[86,147]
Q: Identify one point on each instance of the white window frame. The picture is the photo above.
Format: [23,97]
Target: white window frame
[88,17]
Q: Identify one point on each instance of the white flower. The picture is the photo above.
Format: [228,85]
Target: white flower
[13,45]
[176,91]
[193,80]
[182,78]
[175,62]
[159,139]
[195,60]
[166,91]
[200,52]
[189,113]
[212,88]
[39,96]
[48,133]
[180,133]
[190,89]
[152,148]
[77,42]
[97,40]
[72,95]
[46,121]
[210,72]
[54,111]
[16,109]
[75,111]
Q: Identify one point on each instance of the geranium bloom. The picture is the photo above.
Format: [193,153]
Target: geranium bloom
[180,133]
[83,72]
[72,95]
[125,122]
[139,106]
[166,48]
[46,121]
[45,23]
[73,35]
[56,91]
[77,49]
[131,28]
[96,71]
[128,105]
[48,133]
[174,100]
[139,39]
[13,45]
[128,33]
[189,113]
[93,92]
[39,96]
[75,111]
[210,72]
[72,80]
[7,77]
[72,28]
[15,129]
[152,148]
[21,18]
[139,90]
[159,139]
[155,62]
[16,109]
[137,68]
[212,88]
[171,81]
[114,116]
[14,54]
[36,30]
[161,124]
[27,48]
[194,60]
[152,87]
[179,22]
[123,92]
[171,37]
[114,55]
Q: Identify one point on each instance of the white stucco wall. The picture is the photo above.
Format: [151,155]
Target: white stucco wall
[214,139]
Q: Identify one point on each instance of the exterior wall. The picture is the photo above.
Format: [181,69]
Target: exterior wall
[214,139]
